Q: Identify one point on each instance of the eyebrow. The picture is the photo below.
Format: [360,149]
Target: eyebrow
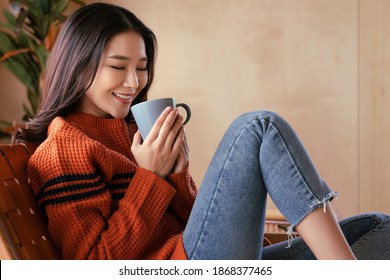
[122,57]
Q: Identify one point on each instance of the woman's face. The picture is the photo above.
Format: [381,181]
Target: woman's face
[121,75]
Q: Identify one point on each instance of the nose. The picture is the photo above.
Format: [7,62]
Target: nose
[131,80]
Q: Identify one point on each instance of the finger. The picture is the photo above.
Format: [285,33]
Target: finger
[178,143]
[170,126]
[185,142]
[137,141]
[155,131]
[184,148]
[174,131]
[184,152]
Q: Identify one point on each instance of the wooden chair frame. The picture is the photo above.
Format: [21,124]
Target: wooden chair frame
[23,226]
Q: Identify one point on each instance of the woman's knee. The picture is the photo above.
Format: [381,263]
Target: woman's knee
[258,115]
[262,116]
[263,120]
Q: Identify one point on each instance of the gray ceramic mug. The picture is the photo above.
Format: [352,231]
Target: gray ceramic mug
[146,113]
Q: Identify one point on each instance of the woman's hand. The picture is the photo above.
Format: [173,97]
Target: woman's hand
[183,157]
[160,150]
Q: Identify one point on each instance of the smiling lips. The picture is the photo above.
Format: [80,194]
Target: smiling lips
[124,98]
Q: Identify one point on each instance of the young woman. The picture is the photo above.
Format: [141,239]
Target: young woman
[110,195]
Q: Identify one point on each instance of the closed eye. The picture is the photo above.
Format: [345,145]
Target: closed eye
[117,67]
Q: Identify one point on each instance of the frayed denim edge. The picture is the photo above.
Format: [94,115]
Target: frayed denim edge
[315,204]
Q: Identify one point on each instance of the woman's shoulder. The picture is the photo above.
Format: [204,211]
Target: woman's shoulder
[60,127]
[64,137]
[66,150]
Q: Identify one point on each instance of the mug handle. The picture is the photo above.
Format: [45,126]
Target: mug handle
[188,111]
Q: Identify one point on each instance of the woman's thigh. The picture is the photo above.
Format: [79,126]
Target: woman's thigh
[227,219]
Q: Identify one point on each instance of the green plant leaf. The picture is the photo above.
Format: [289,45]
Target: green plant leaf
[20,21]
[6,42]
[20,72]
[10,28]
[42,54]
[42,5]
[79,2]
[30,63]
[44,27]
[27,27]
[60,6]
[13,53]
[41,24]
[10,17]
[22,60]
[34,16]
[23,40]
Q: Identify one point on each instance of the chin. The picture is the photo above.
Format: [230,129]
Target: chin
[119,115]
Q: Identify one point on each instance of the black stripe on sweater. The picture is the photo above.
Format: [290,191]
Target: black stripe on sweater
[70,185]
[70,178]
[46,196]
[123,176]
[72,197]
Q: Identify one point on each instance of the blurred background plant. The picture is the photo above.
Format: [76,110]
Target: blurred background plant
[26,39]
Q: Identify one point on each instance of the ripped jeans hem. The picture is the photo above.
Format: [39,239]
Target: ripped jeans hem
[315,204]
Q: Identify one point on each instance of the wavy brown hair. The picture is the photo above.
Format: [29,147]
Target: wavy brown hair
[74,61]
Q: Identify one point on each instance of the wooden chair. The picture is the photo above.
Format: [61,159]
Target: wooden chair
[23,226]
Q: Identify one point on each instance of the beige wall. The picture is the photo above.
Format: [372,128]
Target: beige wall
[374,104]
[321,64]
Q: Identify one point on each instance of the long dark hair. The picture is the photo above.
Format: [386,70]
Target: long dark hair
[74,61]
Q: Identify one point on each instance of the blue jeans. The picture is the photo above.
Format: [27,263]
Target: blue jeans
[260,154]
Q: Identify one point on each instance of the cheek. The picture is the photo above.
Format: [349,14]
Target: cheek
[107,79]
[142,80]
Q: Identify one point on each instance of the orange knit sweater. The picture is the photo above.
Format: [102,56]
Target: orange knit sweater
[100,205]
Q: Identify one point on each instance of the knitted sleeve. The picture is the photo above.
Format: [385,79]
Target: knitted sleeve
[186,192]
[71,183]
